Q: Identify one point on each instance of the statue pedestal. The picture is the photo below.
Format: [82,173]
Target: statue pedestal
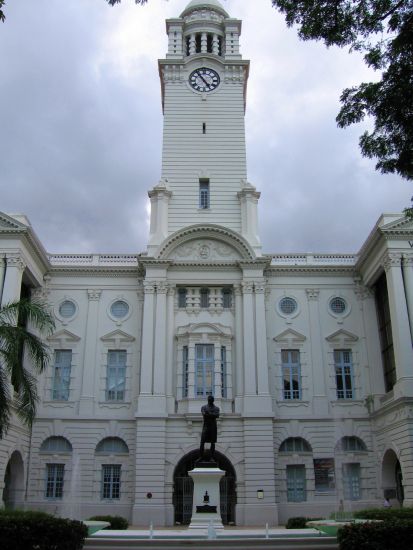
[206,508]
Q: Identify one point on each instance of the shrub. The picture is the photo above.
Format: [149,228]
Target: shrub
[39,531]
[376,536]
[385,513]
[298,522]
[116,522]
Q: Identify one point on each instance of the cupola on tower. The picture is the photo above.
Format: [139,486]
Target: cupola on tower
[204,172]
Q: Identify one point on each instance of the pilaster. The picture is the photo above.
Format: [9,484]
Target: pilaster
[407,266]
[320,401]
[87,399]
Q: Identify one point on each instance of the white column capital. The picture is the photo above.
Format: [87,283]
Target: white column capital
[94,294]
[161,287]
[408,260]
[15,260]
[312,294]
[149,287]
[391,259]
[247,287]
[363,292]
[260,287]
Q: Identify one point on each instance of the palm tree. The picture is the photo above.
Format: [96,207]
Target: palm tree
[18,389]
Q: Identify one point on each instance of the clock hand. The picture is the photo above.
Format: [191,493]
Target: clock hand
[203,79]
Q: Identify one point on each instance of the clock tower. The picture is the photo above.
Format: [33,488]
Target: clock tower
[204,174]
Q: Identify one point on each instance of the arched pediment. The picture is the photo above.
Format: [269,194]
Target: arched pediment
[205,243]
[204,328]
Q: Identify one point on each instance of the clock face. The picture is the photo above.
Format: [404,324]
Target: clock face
[204,80]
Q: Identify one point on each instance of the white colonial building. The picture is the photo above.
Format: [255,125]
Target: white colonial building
[309,356]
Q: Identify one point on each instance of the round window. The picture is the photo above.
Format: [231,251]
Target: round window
[338,305]
[119,309]
[67,309]
[288,306]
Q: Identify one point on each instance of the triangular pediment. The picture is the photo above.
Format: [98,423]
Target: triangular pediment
[9,223]
[117,336]
[289,337]
[64,336]
[342,337]
[404,225]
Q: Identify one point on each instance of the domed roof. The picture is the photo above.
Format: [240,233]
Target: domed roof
[194,4]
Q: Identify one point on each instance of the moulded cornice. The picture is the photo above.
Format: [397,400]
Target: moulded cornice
[64,335]
[320,270]
[290,335]
[209,231]
[216,328]
[114,272]
[117,335]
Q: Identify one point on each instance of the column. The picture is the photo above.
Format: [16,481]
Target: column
[408,286]
[238,367]
[250,380]
[170,334]
[15,267]
[261,339]
[215,44]
[147,339]
[320,400]
[217,370]
[362,293]
[204,42]
[192,46]
[402,344]
[87,399]
[159,367]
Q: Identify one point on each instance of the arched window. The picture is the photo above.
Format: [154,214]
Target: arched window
[295,445]
[56,444]
[351,444]
[112,445]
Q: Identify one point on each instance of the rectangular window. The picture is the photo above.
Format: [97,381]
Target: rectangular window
[223,371]
[61,374]
[226,298]
[204,369]
[351,481]
[185,367]
[296,486]
[344,373]
[182,293]
[291,372]
[111,481]
[116,373]
[203,193]
[204,300]
[324,475]
[54,480]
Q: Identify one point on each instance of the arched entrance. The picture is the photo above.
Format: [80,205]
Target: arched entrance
[392,477]
[184,487]
[13,492]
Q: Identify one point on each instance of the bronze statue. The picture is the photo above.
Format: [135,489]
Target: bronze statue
[210,413]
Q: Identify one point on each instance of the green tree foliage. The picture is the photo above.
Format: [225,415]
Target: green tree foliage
[2,17]
[18,345]
[383,31]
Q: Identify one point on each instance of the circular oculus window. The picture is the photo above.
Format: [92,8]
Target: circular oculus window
[67,309]
[288,306]
[119,309]
[338,305]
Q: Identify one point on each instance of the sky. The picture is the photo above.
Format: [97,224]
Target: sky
[81,128]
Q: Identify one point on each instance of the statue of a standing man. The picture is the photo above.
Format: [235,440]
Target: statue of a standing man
[210,413]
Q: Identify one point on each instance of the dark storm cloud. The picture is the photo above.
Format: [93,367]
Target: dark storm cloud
[81,122]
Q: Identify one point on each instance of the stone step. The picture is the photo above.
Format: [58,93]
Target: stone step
[282,543]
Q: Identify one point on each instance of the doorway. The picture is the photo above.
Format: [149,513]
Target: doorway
[184,488]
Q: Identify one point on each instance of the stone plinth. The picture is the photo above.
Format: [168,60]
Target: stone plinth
[206,503]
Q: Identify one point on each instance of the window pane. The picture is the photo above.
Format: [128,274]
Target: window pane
[111,481]
[344,374]
[324,474]
[296,484]
[291,373]
[54,480]
[226,298]
[204,292]
[182,297]
[204,194]
[116,373]
[351,481]
[61,375]
[185,371]
[204,369]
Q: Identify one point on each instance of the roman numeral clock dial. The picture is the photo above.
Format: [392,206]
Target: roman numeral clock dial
[204,79]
